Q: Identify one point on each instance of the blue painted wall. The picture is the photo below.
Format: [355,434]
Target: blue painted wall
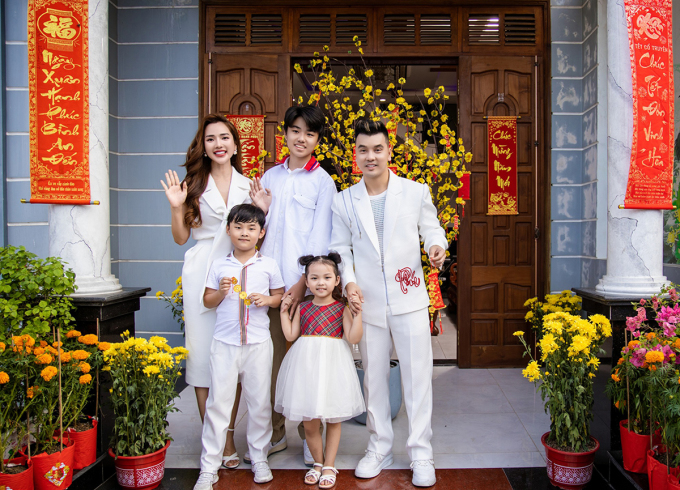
[574,143]
[153,105]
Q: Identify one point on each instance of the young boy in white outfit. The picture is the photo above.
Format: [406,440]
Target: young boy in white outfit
[242,285]
[378,225]
[297,196]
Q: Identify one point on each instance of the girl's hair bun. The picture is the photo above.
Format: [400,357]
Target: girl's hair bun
[305,260]
[335,257]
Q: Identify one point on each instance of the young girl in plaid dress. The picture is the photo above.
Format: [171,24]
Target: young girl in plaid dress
[318,381]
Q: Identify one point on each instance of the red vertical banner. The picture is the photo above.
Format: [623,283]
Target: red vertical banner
[650,36]
[280,143]
[502,165]
[251,132]
[464,192]
[58,93]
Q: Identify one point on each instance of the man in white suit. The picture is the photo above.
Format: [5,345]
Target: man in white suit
[378,225]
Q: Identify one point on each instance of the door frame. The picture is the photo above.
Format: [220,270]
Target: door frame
[287,52]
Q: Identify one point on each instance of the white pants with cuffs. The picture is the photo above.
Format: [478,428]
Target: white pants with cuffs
[411,334]
[253,363]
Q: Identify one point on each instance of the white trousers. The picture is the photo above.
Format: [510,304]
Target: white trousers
[411,334]
[253,363]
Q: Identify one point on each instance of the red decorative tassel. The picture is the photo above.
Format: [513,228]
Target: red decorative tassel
[431,325]
[441,327]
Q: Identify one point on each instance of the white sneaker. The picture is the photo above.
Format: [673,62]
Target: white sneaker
[372,464]
[307,454]
[273,448]
[262,472]
[206,481]
[423,473]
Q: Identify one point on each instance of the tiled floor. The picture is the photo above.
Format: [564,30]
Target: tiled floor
[483,418]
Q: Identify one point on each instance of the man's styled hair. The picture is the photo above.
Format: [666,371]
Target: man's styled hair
[246,213]
[369,128]
[312,115]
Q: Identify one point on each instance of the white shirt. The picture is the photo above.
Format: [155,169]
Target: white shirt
[378,207]
[238,324]
[299,218]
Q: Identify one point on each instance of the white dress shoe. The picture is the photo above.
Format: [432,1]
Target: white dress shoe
[262,472]
[423,473]
[206,481]
[372,464]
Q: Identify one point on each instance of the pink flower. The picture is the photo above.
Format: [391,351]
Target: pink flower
[643,301]
[655,303]
[667,318]
[633,322]
[674,295]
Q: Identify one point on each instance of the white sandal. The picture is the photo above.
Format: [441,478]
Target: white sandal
[229,459]
[330,480]
[314,473]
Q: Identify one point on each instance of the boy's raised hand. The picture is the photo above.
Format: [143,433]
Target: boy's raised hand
[261,197]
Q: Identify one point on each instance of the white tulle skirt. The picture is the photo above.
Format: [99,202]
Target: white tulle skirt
[318,380]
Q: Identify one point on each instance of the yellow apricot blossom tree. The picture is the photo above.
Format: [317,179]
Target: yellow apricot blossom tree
[434,157]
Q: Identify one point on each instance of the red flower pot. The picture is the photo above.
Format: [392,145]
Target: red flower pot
[140,472]
[86,446]
[54,470]
[569,471]
[20,481]
[673,483]
[657,472]
[635,447]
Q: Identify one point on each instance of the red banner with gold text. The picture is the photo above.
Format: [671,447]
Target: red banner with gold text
[59,101]
[650,33]
[251,132]
[502,155]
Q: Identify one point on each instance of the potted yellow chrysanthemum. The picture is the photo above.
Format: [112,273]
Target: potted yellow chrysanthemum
[144,373]
[566,368]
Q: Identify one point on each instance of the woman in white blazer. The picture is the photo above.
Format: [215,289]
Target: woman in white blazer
[200,205]
[386,275]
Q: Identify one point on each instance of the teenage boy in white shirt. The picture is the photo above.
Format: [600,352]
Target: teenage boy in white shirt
[297,197]
[378,225]
[242,286]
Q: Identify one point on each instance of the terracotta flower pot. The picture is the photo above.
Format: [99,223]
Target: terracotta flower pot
[19,481]
[657,473]
[54,470]
[85,446]
[140,472]
[635,447]
[569,471]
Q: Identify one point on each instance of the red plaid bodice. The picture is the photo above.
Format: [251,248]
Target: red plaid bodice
[325,321]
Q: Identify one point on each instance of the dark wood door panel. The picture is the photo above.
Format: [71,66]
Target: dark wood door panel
[497,253]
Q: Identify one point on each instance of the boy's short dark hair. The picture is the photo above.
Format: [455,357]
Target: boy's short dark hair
[312,115]
[369,128]
[246,213]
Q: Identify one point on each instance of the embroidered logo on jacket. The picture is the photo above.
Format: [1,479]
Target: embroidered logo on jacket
[407,277]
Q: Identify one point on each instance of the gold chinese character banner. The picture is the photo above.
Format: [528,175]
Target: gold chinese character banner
[502,157]
[58,101]
[650,32]
[251,132]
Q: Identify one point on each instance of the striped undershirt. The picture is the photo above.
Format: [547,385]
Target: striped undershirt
[378,206]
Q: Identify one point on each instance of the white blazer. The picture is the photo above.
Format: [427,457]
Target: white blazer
[410,217]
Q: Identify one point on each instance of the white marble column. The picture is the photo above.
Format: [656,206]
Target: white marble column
[81,234]
[634,237]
